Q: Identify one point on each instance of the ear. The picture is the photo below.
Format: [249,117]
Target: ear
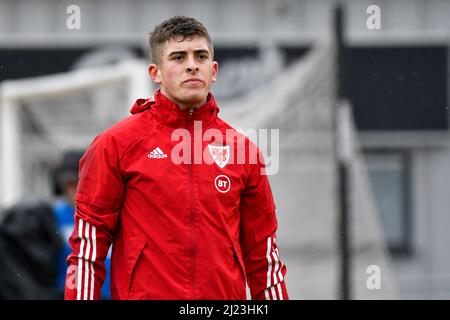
[215,70]
[153,70]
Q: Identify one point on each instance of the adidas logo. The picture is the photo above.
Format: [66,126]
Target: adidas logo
[157,153]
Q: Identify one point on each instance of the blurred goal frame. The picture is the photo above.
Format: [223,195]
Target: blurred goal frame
[13,93]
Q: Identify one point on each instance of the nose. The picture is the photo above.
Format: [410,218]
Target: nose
[192,66]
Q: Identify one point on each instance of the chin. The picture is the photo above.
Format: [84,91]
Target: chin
[195,98]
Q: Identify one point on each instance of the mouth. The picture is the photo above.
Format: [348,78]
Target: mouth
[193,80]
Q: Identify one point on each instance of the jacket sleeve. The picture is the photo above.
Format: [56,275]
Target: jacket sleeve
[97,205]
[264,269]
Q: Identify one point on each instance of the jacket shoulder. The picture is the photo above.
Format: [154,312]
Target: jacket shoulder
[126,132]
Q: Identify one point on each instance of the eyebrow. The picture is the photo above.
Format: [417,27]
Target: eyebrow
[184,52]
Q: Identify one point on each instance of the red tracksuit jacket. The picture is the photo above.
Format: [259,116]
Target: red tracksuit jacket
[185,230]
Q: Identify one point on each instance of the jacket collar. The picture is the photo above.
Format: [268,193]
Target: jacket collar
[170,114]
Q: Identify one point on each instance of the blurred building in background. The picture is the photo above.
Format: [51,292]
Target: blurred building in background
[90,57]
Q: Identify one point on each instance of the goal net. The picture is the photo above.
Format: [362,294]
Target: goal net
[301,103]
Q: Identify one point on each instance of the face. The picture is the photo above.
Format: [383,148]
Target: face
[186,71]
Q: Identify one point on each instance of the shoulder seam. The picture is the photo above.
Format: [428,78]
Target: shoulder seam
[131,145]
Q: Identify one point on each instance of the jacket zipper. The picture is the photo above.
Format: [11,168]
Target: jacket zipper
[193,248]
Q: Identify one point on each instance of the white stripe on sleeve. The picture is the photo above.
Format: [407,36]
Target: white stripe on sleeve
[94,256]
[80,261]
[86,259]
[269,270]
[280,274]
[280,292]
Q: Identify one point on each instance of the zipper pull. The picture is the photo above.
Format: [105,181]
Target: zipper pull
[191,111]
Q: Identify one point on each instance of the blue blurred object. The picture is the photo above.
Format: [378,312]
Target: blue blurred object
[64,213]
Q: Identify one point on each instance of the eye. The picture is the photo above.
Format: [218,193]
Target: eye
[178,57]
[202,56]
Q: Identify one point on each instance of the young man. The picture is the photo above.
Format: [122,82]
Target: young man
[185,223]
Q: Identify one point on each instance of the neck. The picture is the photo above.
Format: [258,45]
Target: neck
[183,106]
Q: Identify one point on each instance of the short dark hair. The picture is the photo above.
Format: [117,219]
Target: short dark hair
[174,27]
